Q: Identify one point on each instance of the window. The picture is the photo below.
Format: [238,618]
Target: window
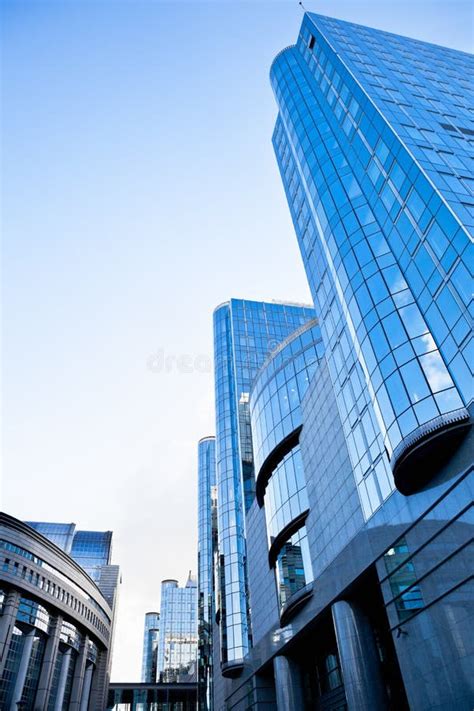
[402,579]
[293,566]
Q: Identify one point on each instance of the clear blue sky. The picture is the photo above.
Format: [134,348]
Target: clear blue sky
[139,191]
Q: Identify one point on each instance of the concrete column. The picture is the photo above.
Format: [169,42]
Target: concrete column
[86,687]
[66,661]
[47,667]
[7,623]
[22,669]
[288,684]
[100,683]
[78,680]
[360,662]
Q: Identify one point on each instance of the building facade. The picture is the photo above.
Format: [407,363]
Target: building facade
[358,540]
[207,551]
[151,637]
[178,639]
[245,332]
[91,549]
[373,144]
[56,625]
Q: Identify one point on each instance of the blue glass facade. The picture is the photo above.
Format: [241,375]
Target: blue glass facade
[90,549]
[245,332]
[151,635]
[61,534]
[354,568]
[177,644]
[207,550]
[279,387]
[276,421]
[372,140]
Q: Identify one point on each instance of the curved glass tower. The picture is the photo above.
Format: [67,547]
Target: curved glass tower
[245,332]
[372,141]
[150,647]
[207,548]
[276,419]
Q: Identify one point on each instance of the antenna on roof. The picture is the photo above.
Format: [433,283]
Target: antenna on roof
[302,6]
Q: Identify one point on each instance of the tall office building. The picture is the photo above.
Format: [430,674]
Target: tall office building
[374,142]
[357,522]
[56,622]
[177,644]
[245,332]
[207,551]
[151,636]
[91,549]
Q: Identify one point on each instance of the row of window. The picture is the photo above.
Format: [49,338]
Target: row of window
[47,586]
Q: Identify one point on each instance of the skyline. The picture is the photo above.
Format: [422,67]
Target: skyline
[98,387]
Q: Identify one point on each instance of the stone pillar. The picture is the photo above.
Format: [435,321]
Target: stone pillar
[100,682]
[22,669]
[86,687]
[66,660]
[288,684]
[47,667]
[360,663]
[7,623]
[78,680]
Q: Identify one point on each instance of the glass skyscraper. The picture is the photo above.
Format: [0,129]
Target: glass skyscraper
[91,549]
[245,332]
[374,143]
[344,449]
[151,635]
[177,644]
[207,550]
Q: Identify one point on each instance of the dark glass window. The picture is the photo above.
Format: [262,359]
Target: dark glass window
[403,581]
[293,566]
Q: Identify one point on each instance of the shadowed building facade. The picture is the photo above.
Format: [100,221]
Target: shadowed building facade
[358,538]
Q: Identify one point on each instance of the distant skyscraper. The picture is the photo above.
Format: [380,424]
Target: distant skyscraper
[245,332]
[177,644]
[207,550]
[151,637]
[91,549]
